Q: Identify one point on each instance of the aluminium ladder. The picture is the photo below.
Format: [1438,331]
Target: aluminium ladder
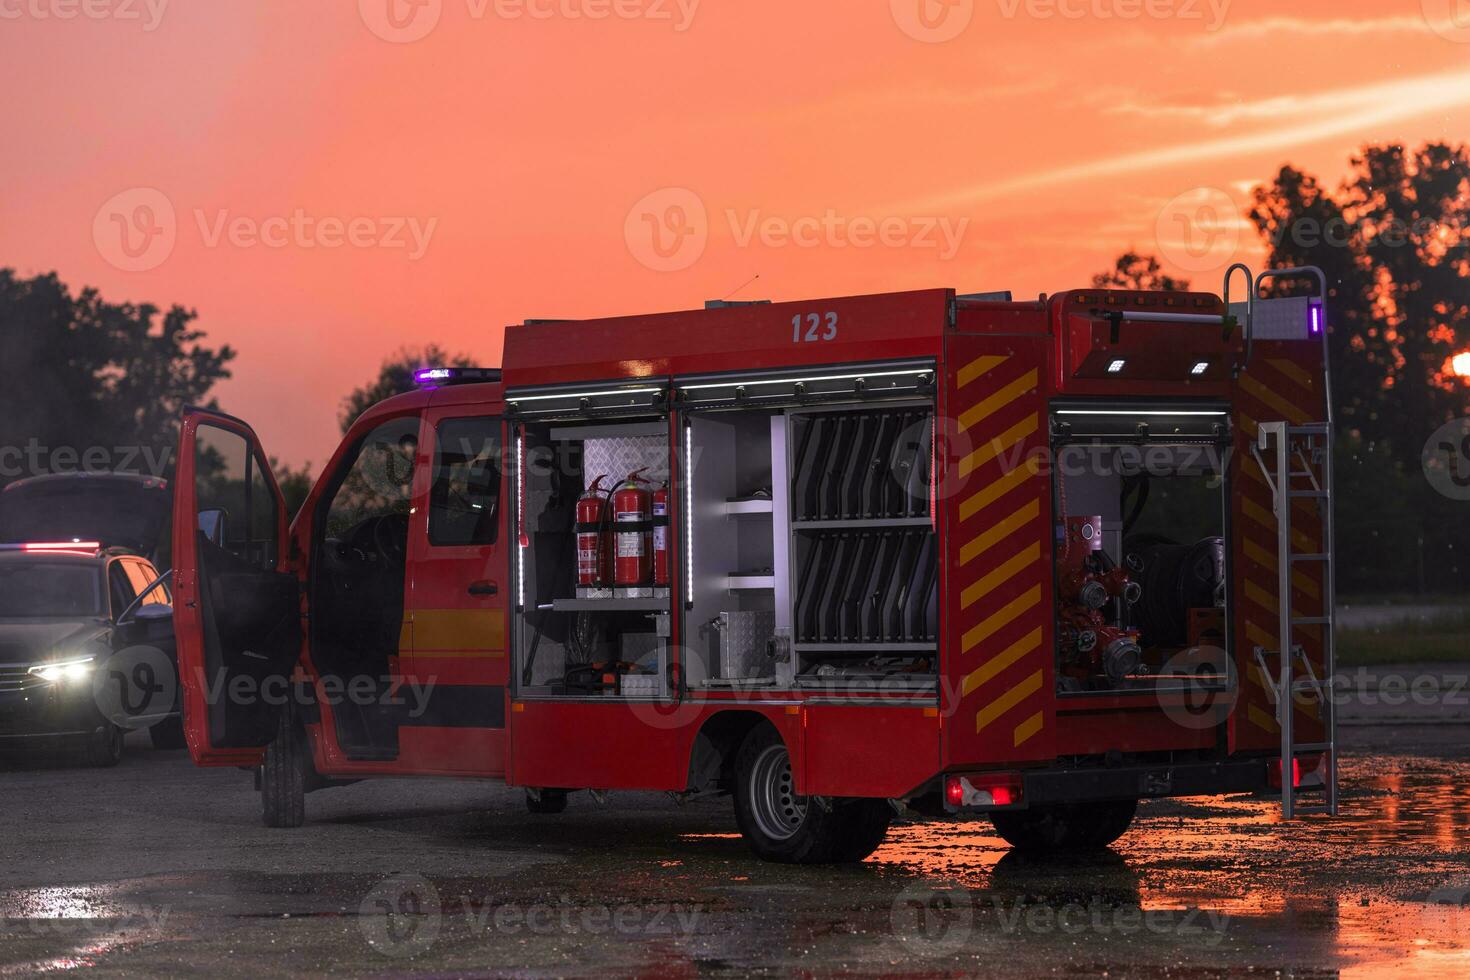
[1289,446]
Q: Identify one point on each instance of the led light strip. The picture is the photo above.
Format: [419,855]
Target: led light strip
[829,377]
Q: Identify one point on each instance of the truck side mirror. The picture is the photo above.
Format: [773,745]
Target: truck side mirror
[212,523]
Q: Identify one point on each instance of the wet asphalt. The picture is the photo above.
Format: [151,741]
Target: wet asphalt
[159,868]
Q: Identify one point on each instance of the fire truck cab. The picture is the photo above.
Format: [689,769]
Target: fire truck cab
[916,552]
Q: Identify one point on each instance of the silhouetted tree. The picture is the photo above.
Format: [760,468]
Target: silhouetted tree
[1135,271]
[95,385]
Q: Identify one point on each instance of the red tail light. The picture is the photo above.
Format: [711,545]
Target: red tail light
[982,789]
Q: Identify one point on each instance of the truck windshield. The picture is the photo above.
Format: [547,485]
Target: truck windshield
[50,589]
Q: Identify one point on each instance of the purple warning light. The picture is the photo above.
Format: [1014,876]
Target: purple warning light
[1315,326]
[432,374]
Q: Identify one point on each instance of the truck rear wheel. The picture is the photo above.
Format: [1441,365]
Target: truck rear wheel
[1065,826]
[283,775]
[781,826]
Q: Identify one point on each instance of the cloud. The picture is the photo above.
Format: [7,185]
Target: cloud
[1301,120]
[1274,28]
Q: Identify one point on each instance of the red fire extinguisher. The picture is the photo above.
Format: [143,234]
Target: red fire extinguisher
[661,535]
[593,554]
[632,532]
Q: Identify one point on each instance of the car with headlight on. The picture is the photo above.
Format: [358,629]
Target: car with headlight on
[86,648]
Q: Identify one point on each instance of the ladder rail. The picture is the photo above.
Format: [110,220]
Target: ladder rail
[1279,440]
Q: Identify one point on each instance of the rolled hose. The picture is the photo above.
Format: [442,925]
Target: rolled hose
[1175,579]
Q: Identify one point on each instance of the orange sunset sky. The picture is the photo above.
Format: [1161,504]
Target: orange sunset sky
[529,142]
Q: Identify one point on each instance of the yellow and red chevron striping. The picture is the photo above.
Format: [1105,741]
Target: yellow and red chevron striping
[1000,581]
[1282,384]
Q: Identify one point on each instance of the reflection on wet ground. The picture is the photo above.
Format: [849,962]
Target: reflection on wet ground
[407,882]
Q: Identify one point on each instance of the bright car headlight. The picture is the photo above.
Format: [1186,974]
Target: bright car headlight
[64,670]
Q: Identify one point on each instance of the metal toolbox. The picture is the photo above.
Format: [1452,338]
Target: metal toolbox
[744,640]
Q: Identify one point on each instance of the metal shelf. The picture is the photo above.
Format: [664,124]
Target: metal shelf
[857,525]
[858,647]
[612,605]
[765,583]
[755,505]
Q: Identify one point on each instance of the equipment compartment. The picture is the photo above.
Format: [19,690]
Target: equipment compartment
[607,634]
[865,553]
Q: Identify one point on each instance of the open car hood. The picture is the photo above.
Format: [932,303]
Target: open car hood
[115,509]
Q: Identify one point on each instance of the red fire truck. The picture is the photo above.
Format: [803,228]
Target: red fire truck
[920,552]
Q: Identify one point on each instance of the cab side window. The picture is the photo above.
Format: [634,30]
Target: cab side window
[120,588]
[141,575]
[464,500]
[378,484]
[230,482]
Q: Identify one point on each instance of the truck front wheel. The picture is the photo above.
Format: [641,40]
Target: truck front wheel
[1065,826]
[781,826]
[283,775]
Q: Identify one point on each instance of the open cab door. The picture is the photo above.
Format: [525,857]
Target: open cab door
[237,610]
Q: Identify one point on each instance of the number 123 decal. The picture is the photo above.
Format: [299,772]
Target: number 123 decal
[812,327]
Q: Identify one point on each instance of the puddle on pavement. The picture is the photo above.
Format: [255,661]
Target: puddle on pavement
[1208,886]
[1381,888]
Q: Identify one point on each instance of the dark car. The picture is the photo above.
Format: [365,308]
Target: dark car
[86,620]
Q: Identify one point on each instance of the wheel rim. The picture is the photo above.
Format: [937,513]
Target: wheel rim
[778,811]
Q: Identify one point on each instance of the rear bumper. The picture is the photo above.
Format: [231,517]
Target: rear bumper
[1145,781]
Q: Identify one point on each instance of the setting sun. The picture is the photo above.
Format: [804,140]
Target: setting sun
[1460,364]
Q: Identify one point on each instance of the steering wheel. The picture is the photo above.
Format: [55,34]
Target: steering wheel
[390,537]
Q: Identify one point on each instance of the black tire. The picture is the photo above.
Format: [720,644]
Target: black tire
[105,748]
[168,734]
[1065,826]
[551,801]
[781,826]
[283,775]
